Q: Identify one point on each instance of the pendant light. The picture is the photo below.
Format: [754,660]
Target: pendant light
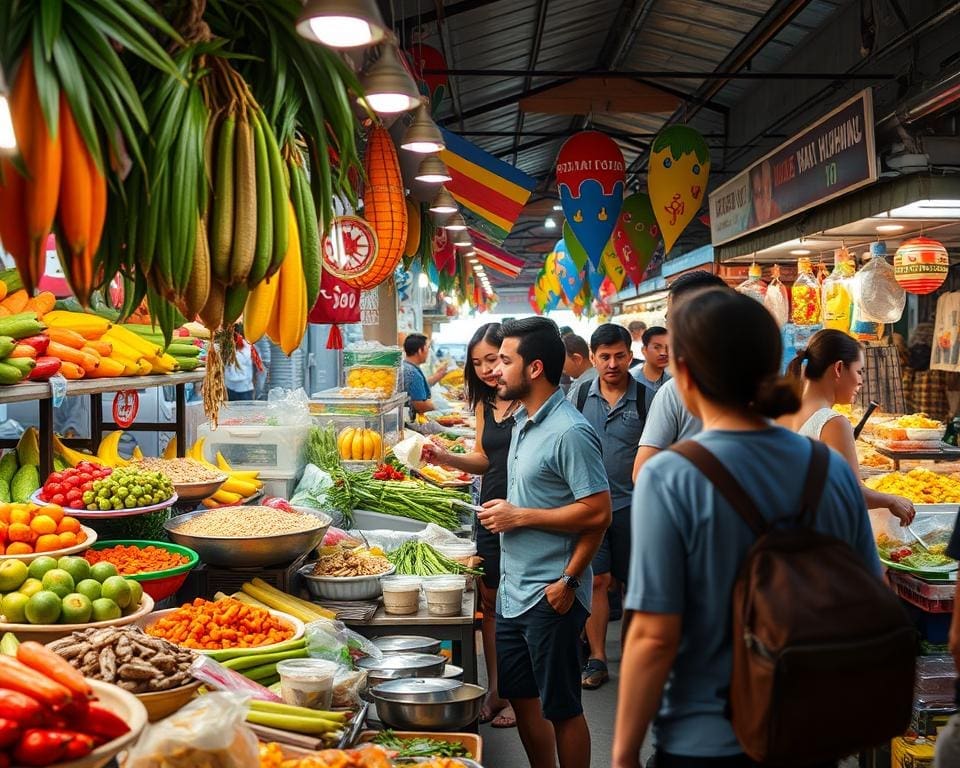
[8,139]
[432,170]
[461,239]
[422,136]
[388,88]
[342,23]
[456,223]
[443,203]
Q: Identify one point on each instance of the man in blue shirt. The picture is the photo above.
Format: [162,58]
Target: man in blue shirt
[417,386]
[552,522]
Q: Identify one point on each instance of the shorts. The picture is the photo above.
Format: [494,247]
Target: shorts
[488,547]
[613,557]
[538,657]
[665,760]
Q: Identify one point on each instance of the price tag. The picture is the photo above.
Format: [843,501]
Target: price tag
[126,405]
[58,389]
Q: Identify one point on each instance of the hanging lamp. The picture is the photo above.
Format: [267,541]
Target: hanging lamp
[432,170]
[443,203]
[422,136]
[8,139]
[456,223]
[342,23]
[387,86]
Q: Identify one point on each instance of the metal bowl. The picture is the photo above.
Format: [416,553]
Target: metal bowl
[407,644]
[435,710]
[343,587]
[399,665]
[197,491]
[249,551]
[453,672]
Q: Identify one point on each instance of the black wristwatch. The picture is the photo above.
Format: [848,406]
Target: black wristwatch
[571,582]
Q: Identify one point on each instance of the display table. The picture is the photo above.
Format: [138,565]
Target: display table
[458,629]
[941,454]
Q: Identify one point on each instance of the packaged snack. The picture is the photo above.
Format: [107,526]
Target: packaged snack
[805,295]
[776,299]
[753,286]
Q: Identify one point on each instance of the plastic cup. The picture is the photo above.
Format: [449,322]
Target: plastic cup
[401,595]
[444,595]
[307,682]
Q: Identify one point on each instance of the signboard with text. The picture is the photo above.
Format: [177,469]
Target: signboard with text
[834,156]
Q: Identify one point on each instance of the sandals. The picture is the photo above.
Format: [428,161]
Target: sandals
[594,674]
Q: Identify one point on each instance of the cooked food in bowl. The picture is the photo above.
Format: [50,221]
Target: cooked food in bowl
[346,561]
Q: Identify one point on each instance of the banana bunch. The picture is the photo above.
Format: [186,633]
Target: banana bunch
[360,444]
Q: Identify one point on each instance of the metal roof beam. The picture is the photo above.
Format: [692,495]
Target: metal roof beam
[527,81]
[505,101]
[634,74]
[408,24]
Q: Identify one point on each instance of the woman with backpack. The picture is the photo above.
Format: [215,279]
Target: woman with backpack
[689,541]
[830,370]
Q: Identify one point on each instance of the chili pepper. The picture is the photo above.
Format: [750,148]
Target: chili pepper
[101,723]
[45,368]
[39,746]
[9,732]
[40,342]
[19,707]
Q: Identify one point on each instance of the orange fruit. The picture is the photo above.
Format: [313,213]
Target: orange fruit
[42,524]
[81,536]
[19,548]
[47,543]
[54,511]
[20,516]
[19,532]
[69,524]
[5,513]
[68,539]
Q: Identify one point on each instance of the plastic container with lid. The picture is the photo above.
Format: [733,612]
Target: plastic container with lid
[805,295]
[444,595]
[401,594]
[753,286]
[307,682]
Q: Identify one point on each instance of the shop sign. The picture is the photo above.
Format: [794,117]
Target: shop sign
[126,405]
[369,308]
[834,156]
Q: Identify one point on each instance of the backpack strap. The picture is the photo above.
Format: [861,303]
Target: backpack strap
[724,482]
[814,482]
[582,392]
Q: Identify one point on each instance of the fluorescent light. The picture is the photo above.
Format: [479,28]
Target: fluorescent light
[890,228]
[342,23]
[433,171]
[8,139]
[474,261]
[800,252]
[477,268]
[422,136]
[423,281]
[924,209]
[388,88]
[549,223]
[469,252]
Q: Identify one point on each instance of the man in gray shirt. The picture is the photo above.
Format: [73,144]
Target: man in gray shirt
[577,364]
[551,524]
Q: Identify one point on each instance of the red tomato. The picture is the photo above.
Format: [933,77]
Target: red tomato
[87,486]
[59,499]
[74,494]
[69,482]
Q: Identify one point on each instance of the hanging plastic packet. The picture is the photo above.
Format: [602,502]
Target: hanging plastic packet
[776,299]
[877,295]
[753,286]
[805,295]
[837,296]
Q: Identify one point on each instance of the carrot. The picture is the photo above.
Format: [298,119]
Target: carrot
[66,337]
[23,350]
[44,302]
[131,560]
[102,348]
[16,301]
[84,359]
[226,623]
[71,370]
[40,658]
[18,677]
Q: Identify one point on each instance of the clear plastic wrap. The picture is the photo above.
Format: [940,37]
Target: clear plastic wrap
[333,641]
[208,731]
[805,295]
[753,286]
[776,299]
[878,296]
[221,678]
[838,296]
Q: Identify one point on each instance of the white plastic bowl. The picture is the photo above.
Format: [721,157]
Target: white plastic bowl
[343,587]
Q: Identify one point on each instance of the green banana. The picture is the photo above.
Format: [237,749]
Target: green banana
[263,253]
[221,229]
[245,203]
[234,301]
[278,188]
[309,238]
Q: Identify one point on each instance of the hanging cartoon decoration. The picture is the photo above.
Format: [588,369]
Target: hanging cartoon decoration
[603,302]
[612,266]
[423,57]
[548,290]
[349,248]
[637,235]
[444,251]
[590,179]
[338,302]
[404,282]
[677,179]
[920,265]
[570,276]
[574,248]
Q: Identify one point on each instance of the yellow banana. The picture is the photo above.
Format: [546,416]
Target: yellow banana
[356,448]
[80,322]
[121,350]
[259,308]
[69,455]
[345,443]
[144,348]
[222,462]
[225,497]
[137,453]
[170,452]
[293,290]
[244,488]
[107,453]
[367,445]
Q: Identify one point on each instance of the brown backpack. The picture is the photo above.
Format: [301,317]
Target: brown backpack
[823,652]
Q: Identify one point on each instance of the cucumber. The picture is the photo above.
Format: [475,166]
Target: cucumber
[187,363]
[8,467]
[22,364]
[183,350]
[9,374]
[25,482]
[11,279]
[6,346]
[21,325]
[4,491]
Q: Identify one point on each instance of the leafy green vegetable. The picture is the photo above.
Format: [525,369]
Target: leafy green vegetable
[420,746]
[417,558]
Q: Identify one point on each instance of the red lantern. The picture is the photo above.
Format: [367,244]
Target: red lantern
[337,302]
[920,265]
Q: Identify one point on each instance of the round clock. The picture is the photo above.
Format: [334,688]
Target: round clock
[350,248]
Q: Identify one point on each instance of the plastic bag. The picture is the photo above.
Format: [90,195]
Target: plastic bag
[753,286]
[333,641]
[408,451]
[312,489]
[347,686]
[805,295]
[776,299]
[289,407]
[208,731]
[219,677]
[876,293]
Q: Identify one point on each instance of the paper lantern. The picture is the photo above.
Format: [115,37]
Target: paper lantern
[921,264]
[677,179]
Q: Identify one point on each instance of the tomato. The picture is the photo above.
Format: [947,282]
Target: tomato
[87,486]
[74,494]
[55,477]
[59,499]
[69,482]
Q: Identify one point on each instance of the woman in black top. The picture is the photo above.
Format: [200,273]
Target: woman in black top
[489,458]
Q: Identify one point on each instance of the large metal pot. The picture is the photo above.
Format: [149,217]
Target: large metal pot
[393,666]
[407,644]
[433,709]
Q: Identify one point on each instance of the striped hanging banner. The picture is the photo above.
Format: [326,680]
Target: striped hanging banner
[494,191]
[494,257]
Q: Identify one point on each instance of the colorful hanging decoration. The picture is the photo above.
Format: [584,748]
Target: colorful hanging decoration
[594,281]
[574,248]
[492,190]
[423,57]
[384,207]
[444,251]
[495,257]
[413,229]
[532,299]
[590,179]
[571,278]
[612,266]
[637,235]
[338,302]
[921,265]
[677,179]
[349,248]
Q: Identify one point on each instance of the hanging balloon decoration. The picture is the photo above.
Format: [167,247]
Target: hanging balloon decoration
[570,276]
[590,179]
[593,282]
[574,248]
[921,265]
[612,267]
[605,294]
[532,299]
[444,251]
[677,179]
[637,235]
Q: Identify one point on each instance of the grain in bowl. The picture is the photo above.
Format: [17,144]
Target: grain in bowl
[181,471]
[246,522]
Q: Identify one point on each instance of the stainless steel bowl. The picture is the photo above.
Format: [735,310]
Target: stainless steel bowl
[448,710]
[197,491]
[249,551]
[407,644]
[394,666]
[452,672]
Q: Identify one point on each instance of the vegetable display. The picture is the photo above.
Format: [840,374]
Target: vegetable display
[417,558]
[921,486]
[271,756]
[359,444]
[347,561]
[206,625]
[420,746]
[68,487]
[127,488]
[28,528]
[131,559]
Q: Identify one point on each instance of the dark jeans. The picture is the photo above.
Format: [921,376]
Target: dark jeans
[232,394]
[664,760]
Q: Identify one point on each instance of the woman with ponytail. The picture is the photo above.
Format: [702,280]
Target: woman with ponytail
[688,543]
[830,370]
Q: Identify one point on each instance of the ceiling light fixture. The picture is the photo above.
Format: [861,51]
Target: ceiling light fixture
[474,261]
[342,23]
[443,203]
[800,252]
[8,139]
[890,228]
[422,136]
[432,170]
[456,223]
[557,207]
[924,209]
[387,86]
[549,223]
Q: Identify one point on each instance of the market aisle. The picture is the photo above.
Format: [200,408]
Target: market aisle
[502,748]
